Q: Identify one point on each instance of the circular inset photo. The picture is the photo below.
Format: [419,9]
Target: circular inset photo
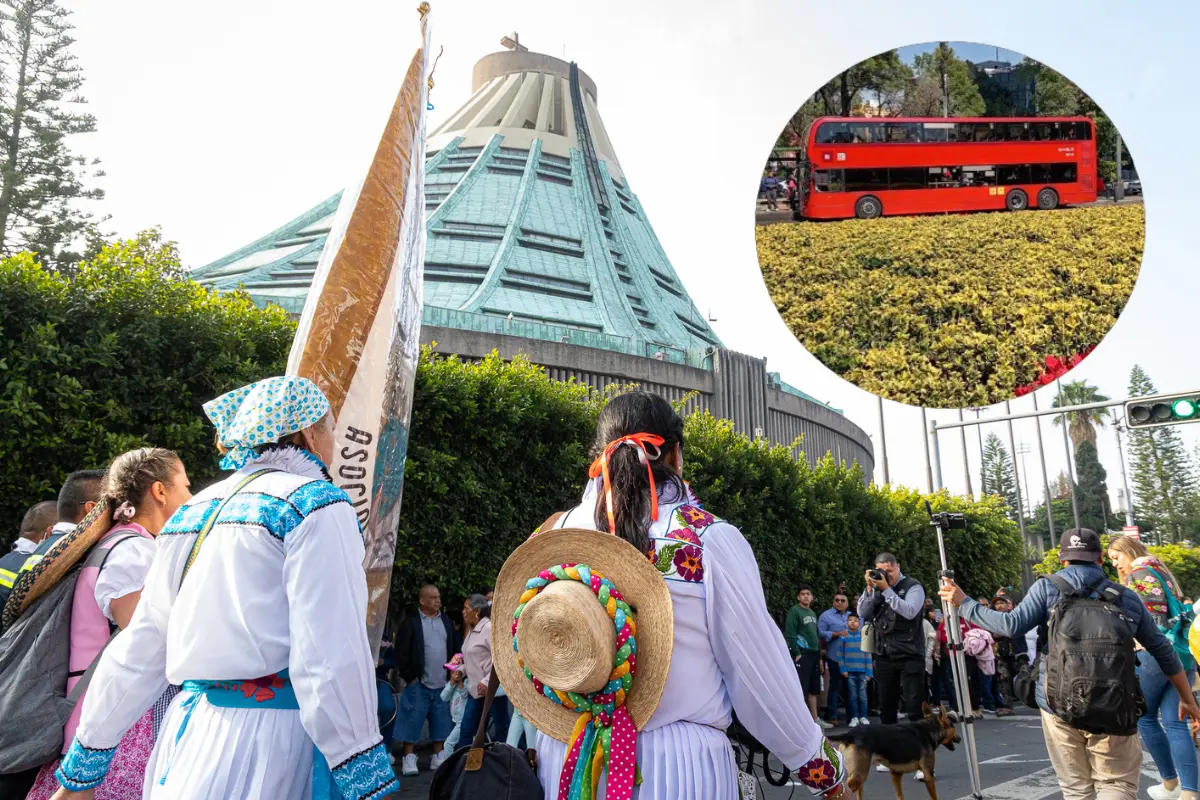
[950,224]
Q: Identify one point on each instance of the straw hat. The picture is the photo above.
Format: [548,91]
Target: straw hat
[567,639]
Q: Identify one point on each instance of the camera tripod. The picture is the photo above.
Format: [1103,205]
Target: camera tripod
[943,522]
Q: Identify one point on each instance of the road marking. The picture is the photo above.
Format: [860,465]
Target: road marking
[1011,758]
[1033,786]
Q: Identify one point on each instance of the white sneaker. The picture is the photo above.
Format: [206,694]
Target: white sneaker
[864,721]
[824,725]
[410,766]
[853,723]
[437,760]
[1160,792]
[882,768]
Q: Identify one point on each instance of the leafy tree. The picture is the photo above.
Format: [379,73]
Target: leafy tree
[943,75]
[998,476]
[1163,482]
[43,180]
[120,354]
[1081,425]
[1091,490]
[1064,519]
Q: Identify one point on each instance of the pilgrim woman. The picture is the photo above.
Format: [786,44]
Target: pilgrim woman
[676,684]
[256,605]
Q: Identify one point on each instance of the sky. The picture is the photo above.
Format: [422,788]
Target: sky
[221,121]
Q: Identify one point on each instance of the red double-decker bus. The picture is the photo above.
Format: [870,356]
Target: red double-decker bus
[868,167]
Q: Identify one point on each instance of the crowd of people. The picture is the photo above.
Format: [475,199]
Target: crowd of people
[175,675]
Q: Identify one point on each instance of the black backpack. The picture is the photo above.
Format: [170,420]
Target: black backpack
[1091,678]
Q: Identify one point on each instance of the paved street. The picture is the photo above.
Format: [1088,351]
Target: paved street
[1013,766]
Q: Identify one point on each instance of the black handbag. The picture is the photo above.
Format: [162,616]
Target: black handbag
[1025,683]
[487,770]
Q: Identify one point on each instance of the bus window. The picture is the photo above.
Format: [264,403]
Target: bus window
[866,180]
[906,178]
[833,133]
[1013,174]
[903,132]
[944,177]
[1062,173]
[1045,131]
[1039,173]
[863,133]
[979,176]
[1017,132]
[895,133]
[1083,131]
[939,132]
[828,180]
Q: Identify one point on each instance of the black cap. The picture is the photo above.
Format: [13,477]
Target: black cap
[1079,544]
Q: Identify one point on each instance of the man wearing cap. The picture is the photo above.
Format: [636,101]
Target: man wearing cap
[1107,764]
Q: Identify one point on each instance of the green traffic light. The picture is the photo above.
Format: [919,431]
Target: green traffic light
[1184,408]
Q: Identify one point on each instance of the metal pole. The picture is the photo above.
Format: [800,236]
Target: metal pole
[1119,190]
[1124,478]
[1045,475]
[928,464]
[1070,468]
[1030,546]
[937,454]
[1025,449]
[966,462]
[883,445]
[979,430]
[958,668]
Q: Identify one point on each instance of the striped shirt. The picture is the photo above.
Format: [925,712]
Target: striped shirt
[854,660]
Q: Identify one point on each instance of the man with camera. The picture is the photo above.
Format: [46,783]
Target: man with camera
[892,604]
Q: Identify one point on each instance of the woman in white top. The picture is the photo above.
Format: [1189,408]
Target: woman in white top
[729,655]
[141,490]
[266,635]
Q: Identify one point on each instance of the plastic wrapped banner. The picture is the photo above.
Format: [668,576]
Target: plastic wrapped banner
[359,335]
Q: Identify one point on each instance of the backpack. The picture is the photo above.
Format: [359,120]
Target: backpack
[1178,627]
[34,662]
[1091,678]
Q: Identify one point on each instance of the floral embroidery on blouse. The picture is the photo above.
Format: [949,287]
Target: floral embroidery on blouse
[679,554]
[1150,588]
[824,771]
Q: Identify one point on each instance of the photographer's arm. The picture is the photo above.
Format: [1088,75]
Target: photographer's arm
[908,606]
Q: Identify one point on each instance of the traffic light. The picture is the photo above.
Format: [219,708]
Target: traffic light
[1163,409]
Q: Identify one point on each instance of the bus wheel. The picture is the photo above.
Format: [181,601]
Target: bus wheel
[868,207]
[1047,199]
[1017,200]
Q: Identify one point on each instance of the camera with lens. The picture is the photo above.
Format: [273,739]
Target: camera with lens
[876,575]
[947,521]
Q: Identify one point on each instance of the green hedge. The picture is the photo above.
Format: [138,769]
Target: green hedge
[119,355]
[495,448]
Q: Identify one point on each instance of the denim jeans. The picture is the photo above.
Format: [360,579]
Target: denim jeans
[1172,749]
[387,713]
[855,685]
[834,680]
[470,720]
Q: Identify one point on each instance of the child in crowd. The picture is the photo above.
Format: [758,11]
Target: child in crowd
[858,670]
[521,727]
[455,693]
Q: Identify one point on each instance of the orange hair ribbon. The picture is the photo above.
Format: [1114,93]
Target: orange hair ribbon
[599,468]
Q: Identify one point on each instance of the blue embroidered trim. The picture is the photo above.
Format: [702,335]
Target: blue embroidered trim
[189,519]
[316,495]
[278,517]
[83,768]
[367,775]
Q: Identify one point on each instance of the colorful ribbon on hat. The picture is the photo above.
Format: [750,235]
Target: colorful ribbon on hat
[604,736]
[637,441]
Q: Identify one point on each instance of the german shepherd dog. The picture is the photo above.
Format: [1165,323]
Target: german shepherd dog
[902,748]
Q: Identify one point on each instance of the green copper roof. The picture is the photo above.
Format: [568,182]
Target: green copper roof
[513,235]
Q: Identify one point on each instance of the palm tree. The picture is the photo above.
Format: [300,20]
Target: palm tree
[1081,425]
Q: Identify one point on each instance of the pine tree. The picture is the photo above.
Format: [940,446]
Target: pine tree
[997,474]
[43,180]
[1164,485]
[1091,491]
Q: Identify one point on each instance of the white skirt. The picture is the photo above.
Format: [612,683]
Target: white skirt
[230,754]
[680,761]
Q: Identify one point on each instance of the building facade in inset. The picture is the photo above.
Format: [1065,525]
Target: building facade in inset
[537,244]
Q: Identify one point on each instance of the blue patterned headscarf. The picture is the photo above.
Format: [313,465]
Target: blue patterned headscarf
[262,413]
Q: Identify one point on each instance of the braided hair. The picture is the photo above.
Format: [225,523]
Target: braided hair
[126,482]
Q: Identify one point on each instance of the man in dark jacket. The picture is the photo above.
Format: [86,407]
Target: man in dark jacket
[425,643]
[893,603]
